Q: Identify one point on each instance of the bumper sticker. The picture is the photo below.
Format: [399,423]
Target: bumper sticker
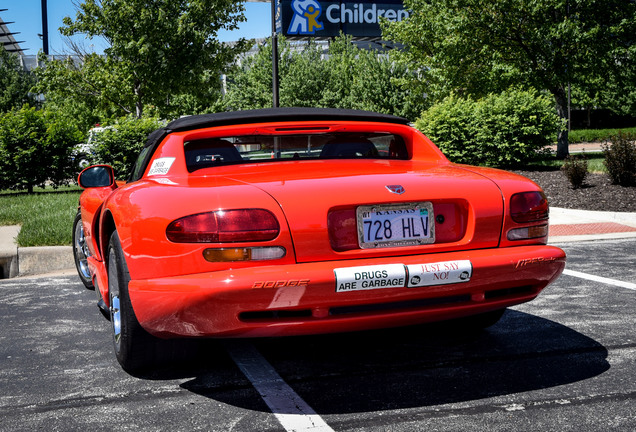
[400,276]
[370,277]
[440,273]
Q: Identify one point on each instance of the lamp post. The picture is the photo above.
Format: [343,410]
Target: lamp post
[275,98]
[45,28]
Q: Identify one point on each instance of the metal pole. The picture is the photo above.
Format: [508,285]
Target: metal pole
[275,98]
[569,107]
[567,15]
[45,28]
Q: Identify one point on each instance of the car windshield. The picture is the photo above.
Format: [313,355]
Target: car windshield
[204,153]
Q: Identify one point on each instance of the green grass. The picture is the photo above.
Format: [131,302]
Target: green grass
[594,162]
[596,135]
[46,217]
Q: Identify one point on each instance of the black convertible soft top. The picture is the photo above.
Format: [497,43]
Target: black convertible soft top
[268,115]
[265,115]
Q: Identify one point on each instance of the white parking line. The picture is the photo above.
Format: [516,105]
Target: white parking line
[600,279]
[291,411]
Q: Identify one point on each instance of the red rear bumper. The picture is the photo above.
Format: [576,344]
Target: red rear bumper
[302,298]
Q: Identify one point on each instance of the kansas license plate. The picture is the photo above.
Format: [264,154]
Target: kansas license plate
[395,225]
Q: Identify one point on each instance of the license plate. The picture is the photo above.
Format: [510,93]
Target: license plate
[395,225]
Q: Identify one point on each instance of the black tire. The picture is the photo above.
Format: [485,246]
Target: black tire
[136,349]
[81,252]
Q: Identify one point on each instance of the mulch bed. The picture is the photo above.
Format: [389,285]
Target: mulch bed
[598,193]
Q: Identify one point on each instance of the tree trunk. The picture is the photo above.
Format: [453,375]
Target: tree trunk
[139,105]
[139,110]
[562,109]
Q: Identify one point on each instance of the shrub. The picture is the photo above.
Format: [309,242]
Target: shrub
[575,169]
[594,135]
[506,129]
[120,145]
[452,127]
[35,149]
[620,159]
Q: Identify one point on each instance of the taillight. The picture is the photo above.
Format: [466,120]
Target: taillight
[343,231]
[244,254]
[527,233]
[244,225]
[528,207]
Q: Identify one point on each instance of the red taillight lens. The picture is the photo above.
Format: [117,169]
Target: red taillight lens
[245,225]
[199,228]
[343,232]
[529,207]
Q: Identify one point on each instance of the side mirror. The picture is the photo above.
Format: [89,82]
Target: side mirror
[97,176]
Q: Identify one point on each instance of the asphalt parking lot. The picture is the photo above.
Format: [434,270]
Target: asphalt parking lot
[565,362]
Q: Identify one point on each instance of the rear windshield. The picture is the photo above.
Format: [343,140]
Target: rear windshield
[243,149]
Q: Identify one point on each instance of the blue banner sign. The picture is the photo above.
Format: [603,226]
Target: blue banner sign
[324,19]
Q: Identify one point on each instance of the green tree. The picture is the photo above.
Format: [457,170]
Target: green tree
[620,89]
[341,68]
[473,47]
[348,77]
[158,51]
[15,82]
[82,88]
[249,85]
[35,149]
[303,75]
[377,86]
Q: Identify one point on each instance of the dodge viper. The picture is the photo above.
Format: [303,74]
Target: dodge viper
[293,221]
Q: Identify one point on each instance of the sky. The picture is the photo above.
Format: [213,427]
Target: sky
[27,18]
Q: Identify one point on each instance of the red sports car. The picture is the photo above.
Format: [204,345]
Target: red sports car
[299,221]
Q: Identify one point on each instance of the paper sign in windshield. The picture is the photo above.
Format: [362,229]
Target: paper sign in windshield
[161,166]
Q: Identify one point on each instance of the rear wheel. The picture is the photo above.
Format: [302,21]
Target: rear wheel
[135,348]
[81,252]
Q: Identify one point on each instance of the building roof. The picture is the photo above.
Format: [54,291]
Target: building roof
[6,37]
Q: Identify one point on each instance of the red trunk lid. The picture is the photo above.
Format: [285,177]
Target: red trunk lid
[319,199]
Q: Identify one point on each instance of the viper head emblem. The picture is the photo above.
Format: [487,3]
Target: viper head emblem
[396,189]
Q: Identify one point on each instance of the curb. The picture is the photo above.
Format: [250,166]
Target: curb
[31,261]
[8,264]
[8,251]
[44,259]
[563,216]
